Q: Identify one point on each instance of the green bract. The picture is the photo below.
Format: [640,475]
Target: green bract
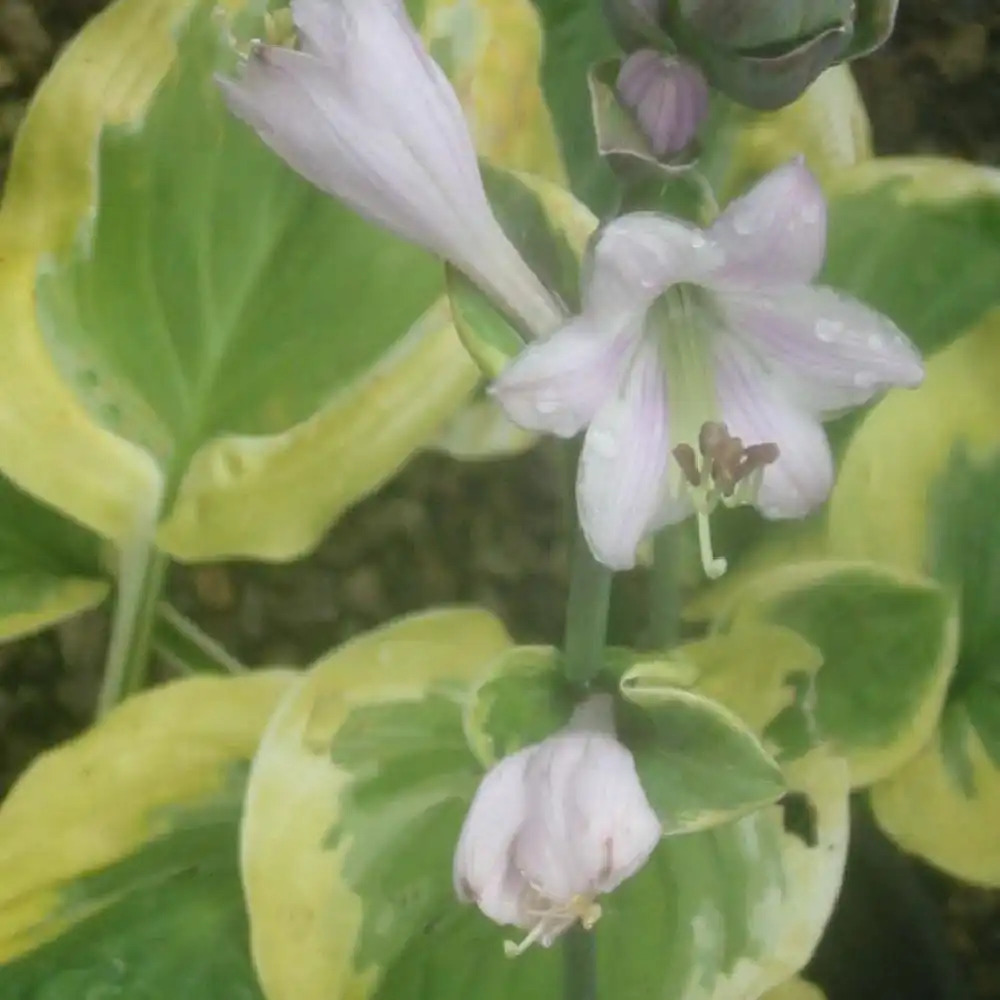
[762,53]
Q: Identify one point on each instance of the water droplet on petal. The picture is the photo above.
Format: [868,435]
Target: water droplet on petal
[876,342]
[698,241]
[828,329]
[743,225]
[865,380]
[546,407]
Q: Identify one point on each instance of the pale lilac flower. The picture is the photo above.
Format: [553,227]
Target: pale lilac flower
[668,96]
[363,112]
[693,343]
[552,827]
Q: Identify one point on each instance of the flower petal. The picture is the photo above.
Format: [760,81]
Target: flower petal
[637,257]
[366,115]
[756,410]
[483,872]
[776,233]
[558,384]
[829,351]
[623,464]
[320,27]
[588,825]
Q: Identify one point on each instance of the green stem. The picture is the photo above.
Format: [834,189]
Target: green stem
[665,591]
[586,614]
[580,964]
[187,648]
[586,636]
[140,583]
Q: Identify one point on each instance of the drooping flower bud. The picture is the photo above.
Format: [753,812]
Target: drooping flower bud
[667,96]
[552,827]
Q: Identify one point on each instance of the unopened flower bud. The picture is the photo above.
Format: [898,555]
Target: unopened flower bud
[553,826]
[363,112]
[668,96]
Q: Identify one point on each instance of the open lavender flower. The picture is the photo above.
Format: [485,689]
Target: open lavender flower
[702,365]
[362,111]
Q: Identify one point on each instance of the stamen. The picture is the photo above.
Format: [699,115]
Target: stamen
[686,459]
[590,915]
[714,566]
[726,473]
[711,435]
[757,457]
[553,920]
[512,949]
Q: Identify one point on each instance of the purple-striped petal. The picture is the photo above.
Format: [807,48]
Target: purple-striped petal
[320,26]
[588,825]
[828,351]
[482,871]
[754,409]
[776,233]
[624,464]
[558,384]
[639,256]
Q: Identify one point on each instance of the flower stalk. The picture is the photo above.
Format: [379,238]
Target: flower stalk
[579,964]
[665,591]
[587,609]
[586,614]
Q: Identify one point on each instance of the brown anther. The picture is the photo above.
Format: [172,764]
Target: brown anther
[726,462]
[723,453]
[688,461]
[710,436]
[758,456]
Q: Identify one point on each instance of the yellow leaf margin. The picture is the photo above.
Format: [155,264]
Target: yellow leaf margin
[99,797]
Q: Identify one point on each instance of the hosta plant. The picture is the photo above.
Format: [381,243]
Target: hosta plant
[253,257]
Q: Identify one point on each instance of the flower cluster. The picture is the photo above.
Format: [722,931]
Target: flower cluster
[699,369]
[682,330]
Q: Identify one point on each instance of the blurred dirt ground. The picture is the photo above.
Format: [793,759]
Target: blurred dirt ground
[444,532]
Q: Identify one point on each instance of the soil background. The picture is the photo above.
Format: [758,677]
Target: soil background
[445,532]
